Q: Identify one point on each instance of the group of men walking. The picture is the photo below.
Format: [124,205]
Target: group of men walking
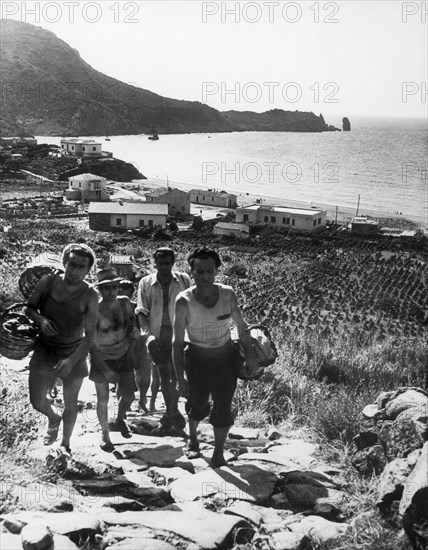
[119,336]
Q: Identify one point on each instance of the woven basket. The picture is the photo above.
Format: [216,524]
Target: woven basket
[31,276]
[17,332]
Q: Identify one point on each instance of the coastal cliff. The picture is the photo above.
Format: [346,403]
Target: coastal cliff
[50,90]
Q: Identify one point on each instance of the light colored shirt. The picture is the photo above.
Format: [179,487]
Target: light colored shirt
[150,298]
[209,327]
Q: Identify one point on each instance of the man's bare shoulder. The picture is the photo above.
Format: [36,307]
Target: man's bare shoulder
[91,293]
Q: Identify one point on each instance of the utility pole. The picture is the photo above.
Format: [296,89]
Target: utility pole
[335,221]
[358,205]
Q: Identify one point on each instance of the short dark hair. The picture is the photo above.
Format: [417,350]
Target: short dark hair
[164,252]
[81,250]
[203,253]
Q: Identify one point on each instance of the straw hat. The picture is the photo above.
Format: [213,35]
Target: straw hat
[107,275]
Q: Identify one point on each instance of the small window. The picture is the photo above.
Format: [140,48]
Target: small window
[273,219]
[141,223]
[212,199]
[150,223]
[94,148]
[293,221]
[319,221]
[266,219]
[288,221]
[203,197]
[245,218]
[118,221]
[314,223]
[283,220]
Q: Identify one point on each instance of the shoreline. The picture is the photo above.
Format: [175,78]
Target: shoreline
[344,213]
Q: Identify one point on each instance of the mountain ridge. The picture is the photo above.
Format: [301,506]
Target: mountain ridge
[48,89]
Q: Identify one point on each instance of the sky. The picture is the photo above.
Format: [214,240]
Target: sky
[339,58]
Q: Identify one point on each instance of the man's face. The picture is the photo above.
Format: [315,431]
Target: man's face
[76,269]
[109,291]
[204,272]
[164,265]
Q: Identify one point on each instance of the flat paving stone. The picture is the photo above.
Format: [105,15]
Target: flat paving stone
[241,482]
[207,529]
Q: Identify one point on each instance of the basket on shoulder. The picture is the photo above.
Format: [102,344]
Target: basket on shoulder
[18,333]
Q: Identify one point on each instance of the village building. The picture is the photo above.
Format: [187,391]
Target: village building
[178,202]
[87,187]
[22,140]
[123,264]
[211,197]
[78,147]
[300,219]
[238,230]
[120,216]
[363,226]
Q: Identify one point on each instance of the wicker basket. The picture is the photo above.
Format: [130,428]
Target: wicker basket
[17,332]
[31,276]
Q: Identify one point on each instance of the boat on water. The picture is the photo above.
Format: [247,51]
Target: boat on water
[154,136]
[107,138]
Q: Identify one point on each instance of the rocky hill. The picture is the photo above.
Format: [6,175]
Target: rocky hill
[49,89]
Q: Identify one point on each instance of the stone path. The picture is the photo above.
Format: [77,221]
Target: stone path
[148,495]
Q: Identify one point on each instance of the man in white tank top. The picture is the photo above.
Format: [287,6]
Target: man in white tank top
[202,349]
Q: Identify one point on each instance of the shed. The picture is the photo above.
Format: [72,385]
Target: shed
[238,230]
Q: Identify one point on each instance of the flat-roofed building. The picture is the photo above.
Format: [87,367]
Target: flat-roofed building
[238,230]
[178,201]
[301,219]
[78,147]
[211,197]
[363,226]
[119,216]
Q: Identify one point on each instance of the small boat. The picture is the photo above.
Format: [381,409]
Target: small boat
[154,136]
[107,138]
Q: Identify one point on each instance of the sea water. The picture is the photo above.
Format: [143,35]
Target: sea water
[381,163]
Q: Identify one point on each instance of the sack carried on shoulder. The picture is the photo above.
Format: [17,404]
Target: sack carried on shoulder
[263,350]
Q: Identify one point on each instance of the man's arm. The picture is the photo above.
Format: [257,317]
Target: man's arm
[178,343]
[143,308]
[47,326]
[64,367]
[243,333]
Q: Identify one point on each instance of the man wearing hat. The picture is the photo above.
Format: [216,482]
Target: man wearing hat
[110,361]
[155,308]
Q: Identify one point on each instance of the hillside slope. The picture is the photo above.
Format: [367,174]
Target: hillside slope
[48,89]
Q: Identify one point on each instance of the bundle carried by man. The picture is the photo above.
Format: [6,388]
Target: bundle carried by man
[263,348]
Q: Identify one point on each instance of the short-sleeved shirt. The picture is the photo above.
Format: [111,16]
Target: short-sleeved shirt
[150,298]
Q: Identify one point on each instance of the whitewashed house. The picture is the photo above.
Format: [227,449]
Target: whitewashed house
[211,197]
[79,147]
[301,219]
[87,187]
[119,216]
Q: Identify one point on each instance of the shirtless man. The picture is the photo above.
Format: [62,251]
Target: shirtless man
[65,307]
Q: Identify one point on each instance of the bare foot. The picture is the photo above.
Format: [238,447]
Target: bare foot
[217,461]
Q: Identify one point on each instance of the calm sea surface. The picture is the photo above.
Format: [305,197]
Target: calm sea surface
[382,160]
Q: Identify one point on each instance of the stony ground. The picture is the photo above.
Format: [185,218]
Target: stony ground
[148,494]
